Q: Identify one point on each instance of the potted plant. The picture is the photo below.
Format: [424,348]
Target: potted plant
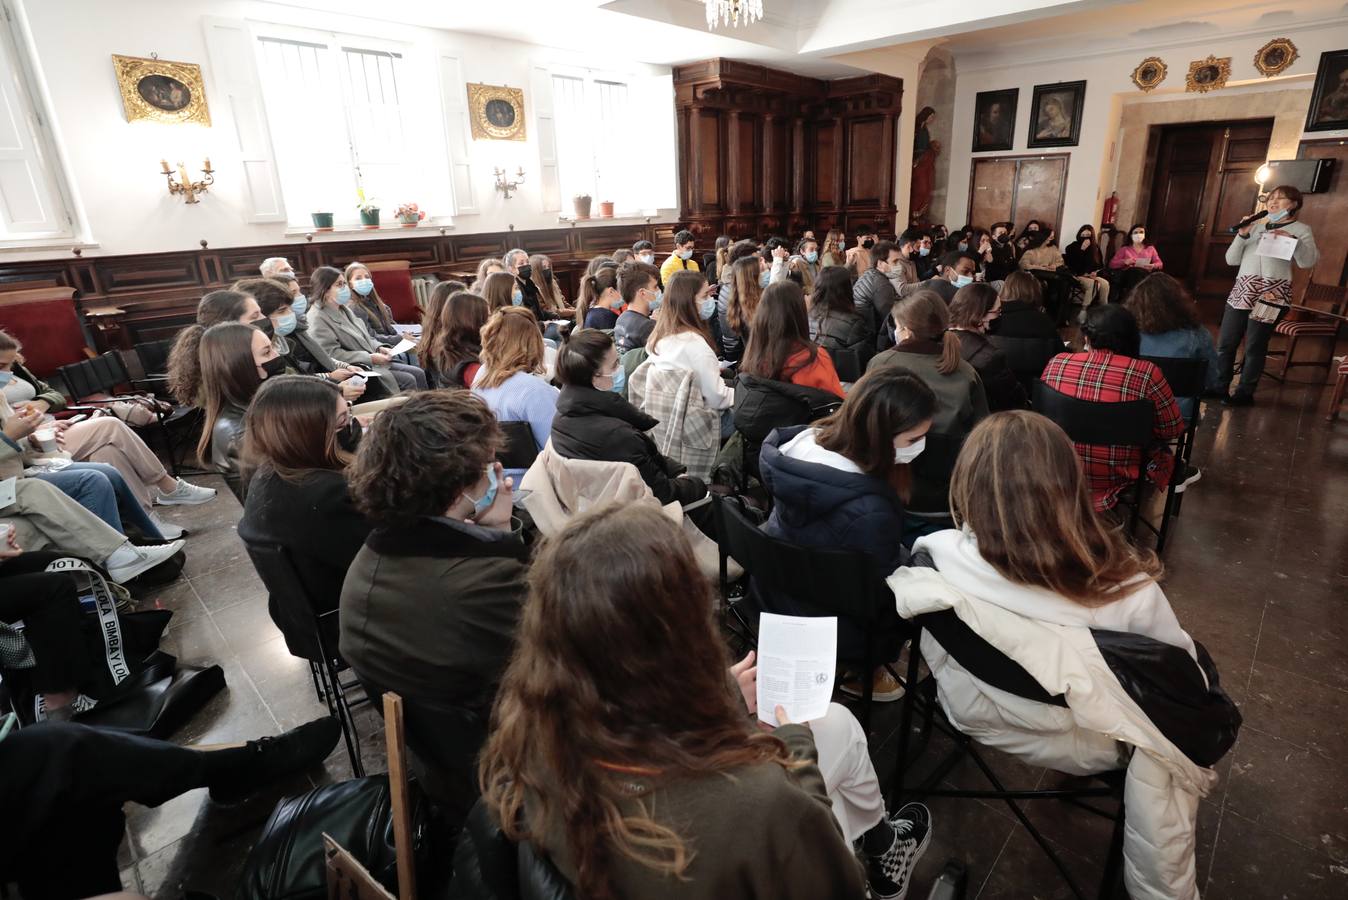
[409,214]
[369,209]
[582,203]
[322,221]
[605,209]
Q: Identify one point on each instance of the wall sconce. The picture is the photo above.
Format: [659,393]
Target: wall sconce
[1263,174]
[185,185]
[504,185]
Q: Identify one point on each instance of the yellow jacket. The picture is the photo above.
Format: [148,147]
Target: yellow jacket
[674,264]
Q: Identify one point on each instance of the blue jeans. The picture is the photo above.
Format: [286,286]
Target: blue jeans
[102,490]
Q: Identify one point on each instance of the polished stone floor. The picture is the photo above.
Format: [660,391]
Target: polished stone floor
[1257,571]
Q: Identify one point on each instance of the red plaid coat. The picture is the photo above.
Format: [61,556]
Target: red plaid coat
[1102,376]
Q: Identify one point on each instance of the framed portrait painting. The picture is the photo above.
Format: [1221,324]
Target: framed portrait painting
[1055,114]
[1329,99]
[497,113]
[995,119]
[161,91]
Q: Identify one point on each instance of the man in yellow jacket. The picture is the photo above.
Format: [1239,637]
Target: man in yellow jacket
[681,258]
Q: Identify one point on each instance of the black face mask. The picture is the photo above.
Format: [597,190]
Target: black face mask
[867,244]
[1002,238]
[525,271]
[274,367]
[547,276]
[264,325]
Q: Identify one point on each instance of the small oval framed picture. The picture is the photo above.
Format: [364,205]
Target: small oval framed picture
[497,113]
[1275,56]
[161,91]
[1150,73]
[1208,74]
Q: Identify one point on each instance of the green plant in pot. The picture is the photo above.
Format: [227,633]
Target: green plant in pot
[369,209]
[322,220]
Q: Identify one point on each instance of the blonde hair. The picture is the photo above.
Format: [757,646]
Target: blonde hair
[480,281]
[511,342]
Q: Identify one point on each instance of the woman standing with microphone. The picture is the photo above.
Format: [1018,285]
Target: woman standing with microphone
[1263,289]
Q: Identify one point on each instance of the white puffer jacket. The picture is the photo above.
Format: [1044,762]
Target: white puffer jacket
[1101,725]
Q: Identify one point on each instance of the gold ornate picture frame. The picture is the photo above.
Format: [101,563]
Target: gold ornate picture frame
[1275,56]
[161,91]
[497,113]
[1208,74]
[1150,73]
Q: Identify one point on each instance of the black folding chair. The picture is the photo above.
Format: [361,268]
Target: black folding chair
[519,450]
[988,664]
[843,583]
[283,582]
[847,363]
[1187,378]
[1124,424]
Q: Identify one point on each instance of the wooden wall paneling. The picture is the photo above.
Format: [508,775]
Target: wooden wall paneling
[707,151]
[1326,212]
[777,175]
[865,151]
[121,274]
[823,188]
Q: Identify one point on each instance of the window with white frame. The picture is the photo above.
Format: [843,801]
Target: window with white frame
[34,209]
[597,127]
[337,112]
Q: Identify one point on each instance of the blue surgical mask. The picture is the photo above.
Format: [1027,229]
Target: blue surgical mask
[1276,217]
[707,308]
[363,286]
[763,278]
[962,280]
[647,258]
[6,378]
[811,257]
[923,251]
[299,305]
[517,298]
[659,298]
[685,254]
[285,324]
[483,503]
[619,380]
[343,296]
[964,245]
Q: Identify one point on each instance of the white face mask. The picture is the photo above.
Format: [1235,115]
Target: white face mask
[911,452]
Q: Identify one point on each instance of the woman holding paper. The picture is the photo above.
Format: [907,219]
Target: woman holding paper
[632,763]
[1137,252]
[1263,287]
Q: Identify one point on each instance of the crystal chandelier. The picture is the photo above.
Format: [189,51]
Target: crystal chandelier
[733,12]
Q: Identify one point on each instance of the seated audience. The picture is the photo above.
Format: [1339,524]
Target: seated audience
[430,603]
[518,265]
[235,360]
[487,267]
[930,351]
[831,254]
[842,484]
[644,251]
[681,338]
[874,294]
[550,296]
[593,421]
[344,337]
[367,306]
[903,269]
[719,259]
[184,366]
[297,496]
[511,380]
[1137,252]
[953,272]
[857,258]
[834,321]
[276,267]
[1083,257]
[1023,331]
[806,261]
[622,255]
[501,290]
[459,349]
[745,290]
[1040,255]
[641,297]
[1108,371]
[600,300]
[1167,319]
[433,331]
[999,258]
[681,260]
[563,758]
[974,306]
[780,348]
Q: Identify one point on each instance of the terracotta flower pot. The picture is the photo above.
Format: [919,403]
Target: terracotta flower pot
[605,209]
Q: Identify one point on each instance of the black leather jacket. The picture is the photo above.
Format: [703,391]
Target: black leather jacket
[227,447]
[489,866]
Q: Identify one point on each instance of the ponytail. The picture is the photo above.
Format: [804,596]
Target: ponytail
[184,365]
[950,353]
[589,291]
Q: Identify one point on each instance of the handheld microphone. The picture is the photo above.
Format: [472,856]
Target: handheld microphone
[1249,220]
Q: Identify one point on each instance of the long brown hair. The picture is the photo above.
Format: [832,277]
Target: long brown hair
[370,302]
[228,374]
[1018,485]
[291,427]
[511,342]
[480,281]
[431,345]
[572,711]
[927,317]
[883,403]
[678,313]
[184,363]
[1023,287]
[832,239]
[464,316]
[549,291]
[499,290]
[1160,304]
[745,293]
[971,305]
[780,331]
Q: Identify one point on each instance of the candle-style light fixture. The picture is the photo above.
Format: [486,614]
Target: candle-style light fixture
[185,185]
[505,185]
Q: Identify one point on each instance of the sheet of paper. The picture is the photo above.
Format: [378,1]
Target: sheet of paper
[7,488]
[1276,245]
[796,659]
[412,331]
[402,347]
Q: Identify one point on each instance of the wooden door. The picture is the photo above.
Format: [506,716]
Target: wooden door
[1204,183]
[1017,189]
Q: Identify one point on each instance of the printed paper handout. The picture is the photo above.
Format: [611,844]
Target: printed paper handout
[796,659]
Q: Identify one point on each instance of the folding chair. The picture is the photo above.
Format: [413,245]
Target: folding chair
[1187,378]
[847,363]
[1125,424]
[991,666]
[837,582]
[283,582]
[1319,316]
[519,450]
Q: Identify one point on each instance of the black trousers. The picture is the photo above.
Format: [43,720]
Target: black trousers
[49,605]
[62,786]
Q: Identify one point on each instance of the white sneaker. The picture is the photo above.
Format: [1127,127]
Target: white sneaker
[184,494]
[169,531]
[126,562]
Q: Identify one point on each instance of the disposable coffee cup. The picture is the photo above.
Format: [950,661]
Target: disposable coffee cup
[46,439]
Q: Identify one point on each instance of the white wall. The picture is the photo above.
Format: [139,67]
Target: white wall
[1093,164]
[114,165]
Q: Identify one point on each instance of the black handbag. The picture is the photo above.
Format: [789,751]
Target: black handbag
[287,862]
